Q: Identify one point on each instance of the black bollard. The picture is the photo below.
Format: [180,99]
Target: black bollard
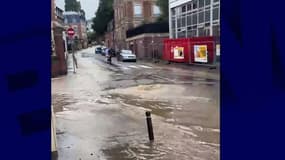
[149,125]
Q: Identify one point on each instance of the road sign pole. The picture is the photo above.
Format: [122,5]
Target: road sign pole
[73,57]
[71,32]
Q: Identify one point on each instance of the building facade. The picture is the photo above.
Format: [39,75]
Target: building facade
[129,14]
[109,35]
[58,56]
[194,18]
[146,41]
[78,22]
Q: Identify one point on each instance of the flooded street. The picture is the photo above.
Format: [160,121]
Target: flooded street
[100,111]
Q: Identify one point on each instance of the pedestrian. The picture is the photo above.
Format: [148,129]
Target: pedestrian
[75,60]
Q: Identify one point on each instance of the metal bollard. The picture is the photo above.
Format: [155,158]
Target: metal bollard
[149,125]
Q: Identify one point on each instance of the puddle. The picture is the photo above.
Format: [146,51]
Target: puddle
[102,102]
[86,55]
[59,101]
[148,87]
[157,107]
[145,151]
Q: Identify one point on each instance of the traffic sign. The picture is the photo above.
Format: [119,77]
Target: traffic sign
[70,31]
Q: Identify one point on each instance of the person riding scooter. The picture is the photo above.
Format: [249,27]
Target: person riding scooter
[109,56]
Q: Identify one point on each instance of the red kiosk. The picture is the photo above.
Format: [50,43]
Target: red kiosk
[196,50]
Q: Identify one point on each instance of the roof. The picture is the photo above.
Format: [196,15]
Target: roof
[71,13]
[57,8]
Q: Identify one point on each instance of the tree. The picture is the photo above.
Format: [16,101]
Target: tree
[72,5]
[163,5]
[104,15]
[91,36]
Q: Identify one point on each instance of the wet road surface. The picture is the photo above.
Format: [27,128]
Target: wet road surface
[100,111]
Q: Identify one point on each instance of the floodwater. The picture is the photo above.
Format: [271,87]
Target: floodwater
[100,111]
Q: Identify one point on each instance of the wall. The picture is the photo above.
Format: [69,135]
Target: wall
[125,20]
[143,47]
[59,67]
[109,40]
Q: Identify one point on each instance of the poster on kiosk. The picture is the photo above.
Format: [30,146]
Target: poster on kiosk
[200,53]
[178,52]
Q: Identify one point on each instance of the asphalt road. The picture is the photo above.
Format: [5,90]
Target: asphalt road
[100,111]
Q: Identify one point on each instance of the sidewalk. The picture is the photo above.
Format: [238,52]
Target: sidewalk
[196,69]
[184,65]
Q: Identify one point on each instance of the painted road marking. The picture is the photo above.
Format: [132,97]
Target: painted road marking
[125,68]
[133,66]
[143,66]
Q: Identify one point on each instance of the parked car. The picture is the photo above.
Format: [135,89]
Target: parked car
[127,55]
[98,50]
[104,49]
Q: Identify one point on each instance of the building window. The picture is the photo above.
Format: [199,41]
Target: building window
[215,13]
[207,16]
[189,20]
[194,33]
[179,22]
[207,32]
[156,10]
[201,32]
[173,24]
[195,4]
[201,3]
[137,10]
[216,30]
[207,24]
[183,9]
[183,21]
[173,33]
[207,2]
[194,18]
[201,17]
[189,7]
[74,20]
[181,34]
[173,11]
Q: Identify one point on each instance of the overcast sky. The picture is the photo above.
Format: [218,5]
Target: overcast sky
[89,6]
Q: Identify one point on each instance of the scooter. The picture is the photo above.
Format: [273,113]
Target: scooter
[109,59]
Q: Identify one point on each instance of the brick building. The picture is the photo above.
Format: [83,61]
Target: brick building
[58,56]
[146,41]
[109,35]
[129,14]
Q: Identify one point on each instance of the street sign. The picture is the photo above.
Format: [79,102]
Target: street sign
[70,31]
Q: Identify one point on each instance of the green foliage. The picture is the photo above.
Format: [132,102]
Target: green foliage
[104,15]
[163,5]
[72,5]
[91,36]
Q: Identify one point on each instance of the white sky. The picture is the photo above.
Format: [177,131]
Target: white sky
[89,6]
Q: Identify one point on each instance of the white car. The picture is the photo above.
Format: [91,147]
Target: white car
[127,55]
